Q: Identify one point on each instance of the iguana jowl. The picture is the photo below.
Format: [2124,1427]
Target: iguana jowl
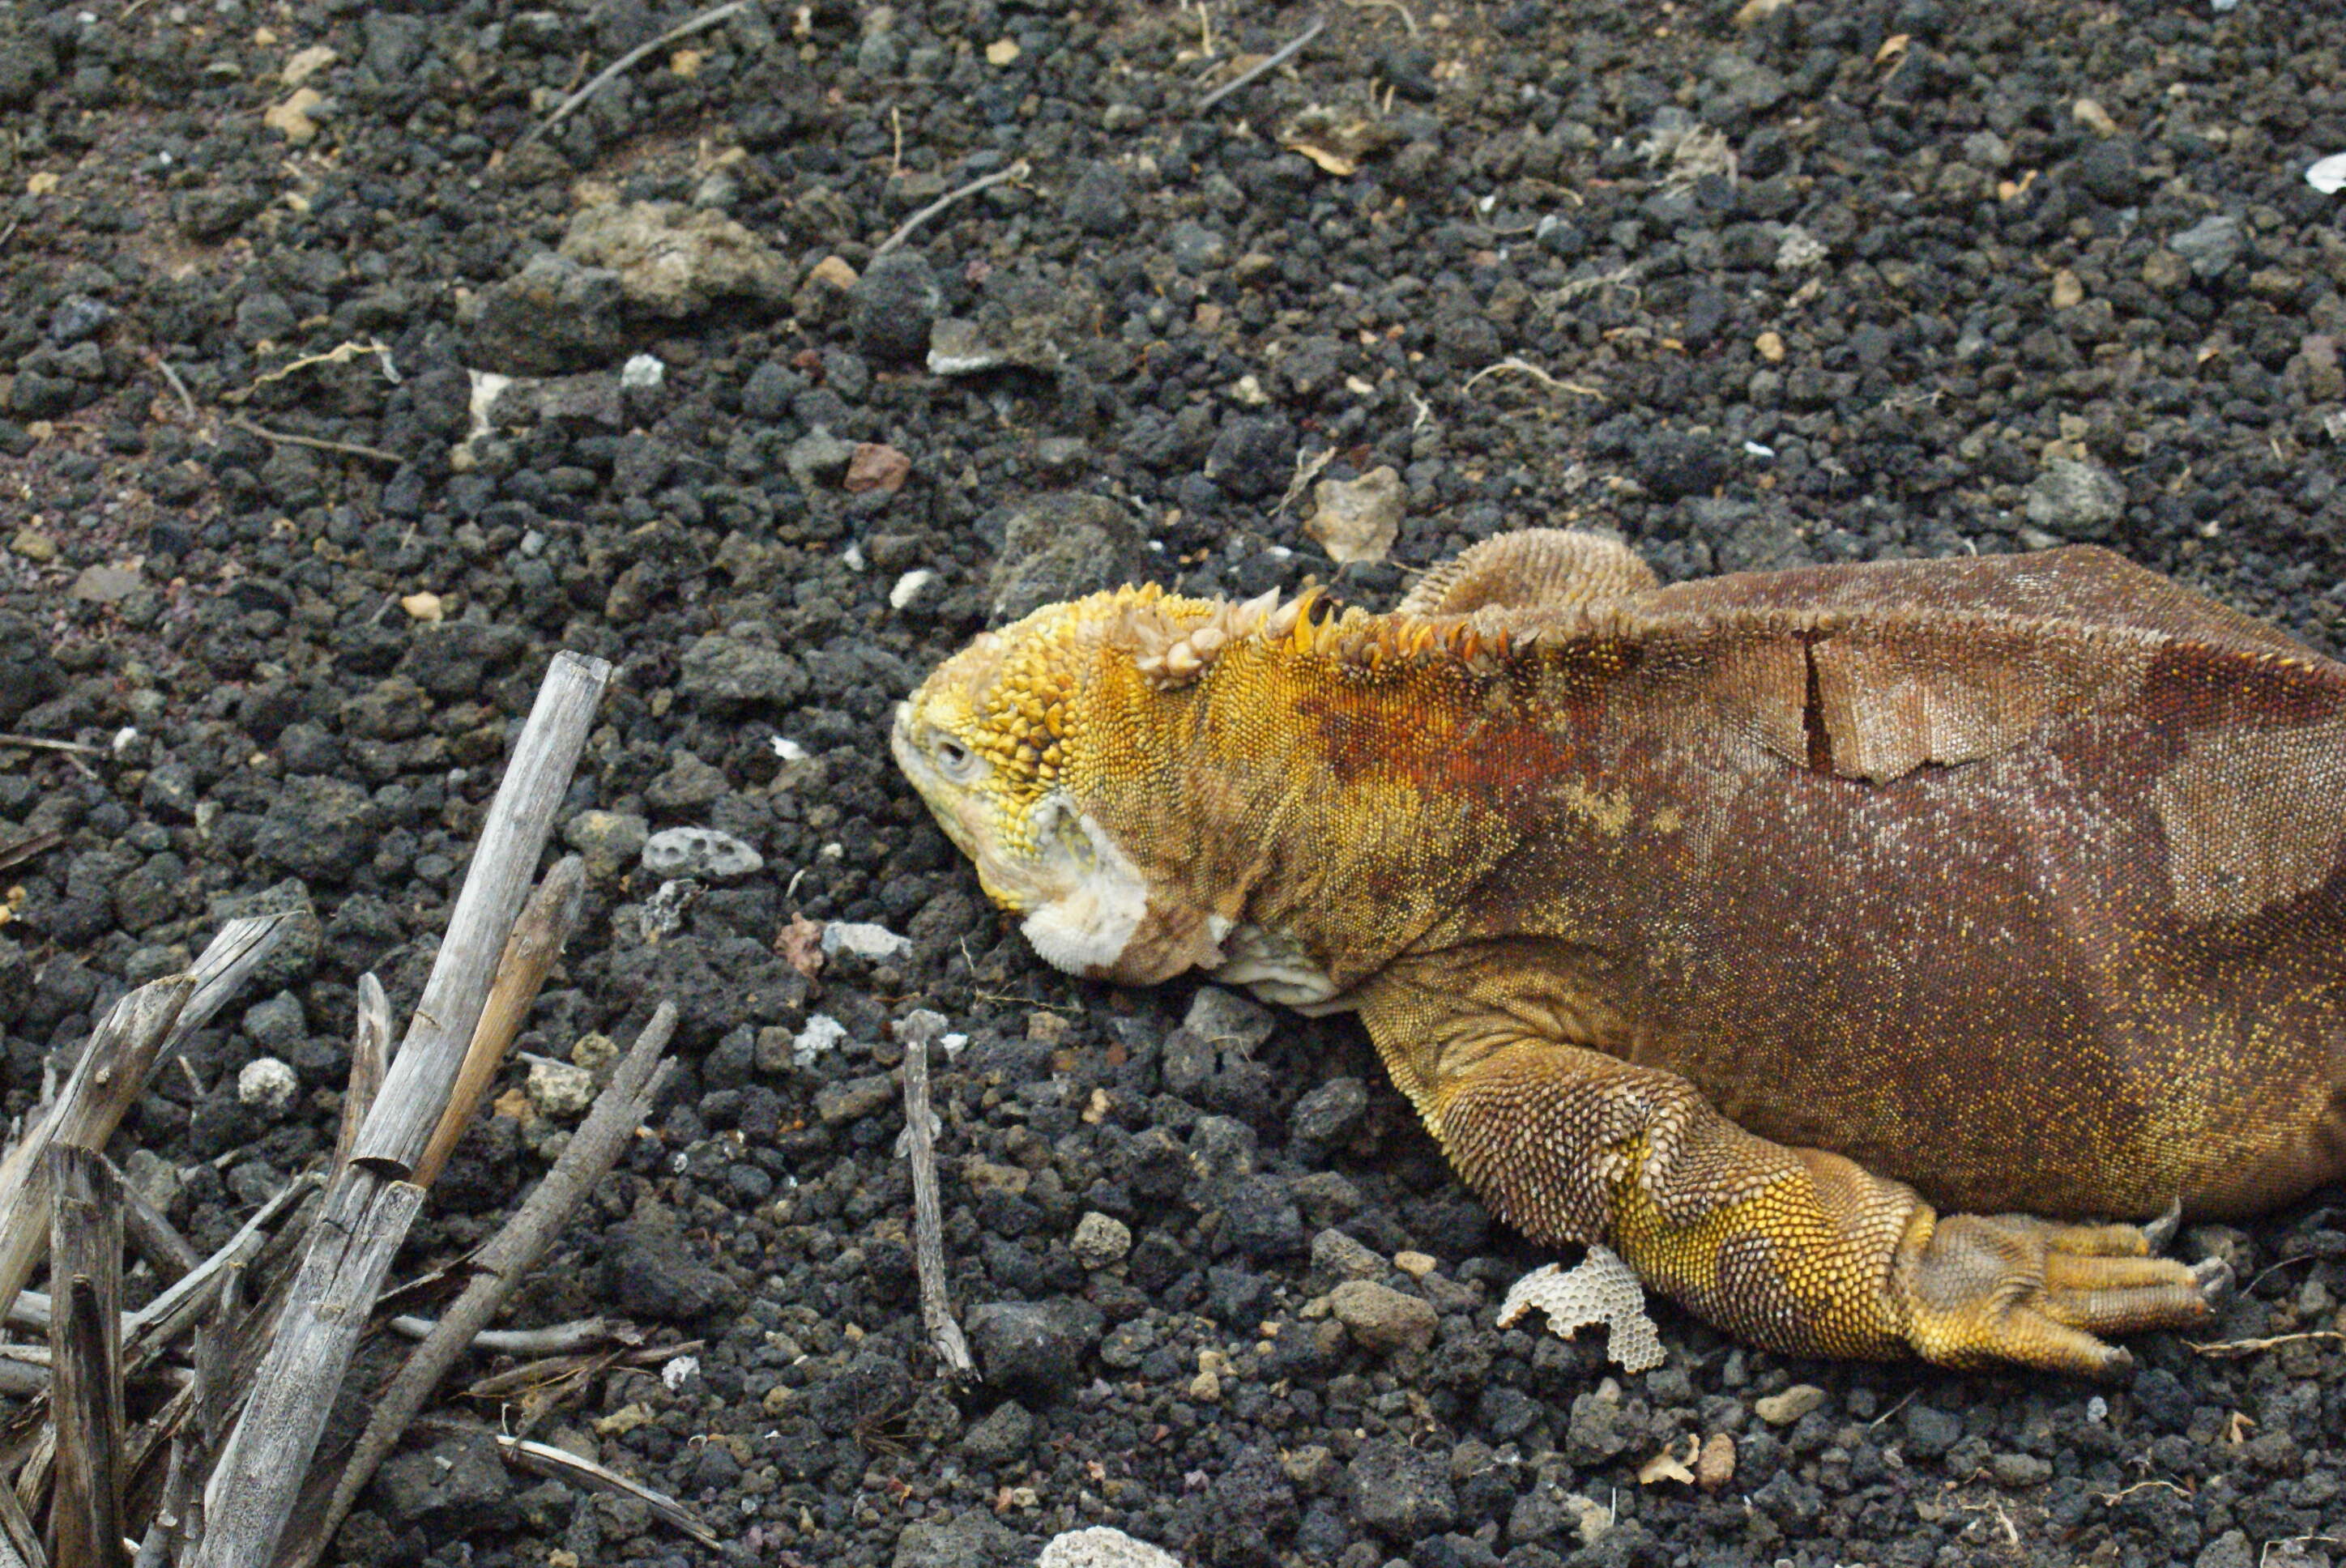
[1820,941]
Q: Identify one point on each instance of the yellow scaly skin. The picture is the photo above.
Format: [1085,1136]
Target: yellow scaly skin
[1594,868]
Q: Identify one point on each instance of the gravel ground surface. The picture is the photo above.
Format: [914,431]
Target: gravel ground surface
[1862,279]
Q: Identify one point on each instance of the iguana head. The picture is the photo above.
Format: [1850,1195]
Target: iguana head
[1032,747]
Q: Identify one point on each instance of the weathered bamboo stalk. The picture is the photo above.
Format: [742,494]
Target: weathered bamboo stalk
[414,1093]
[85,1358]
[501,1266]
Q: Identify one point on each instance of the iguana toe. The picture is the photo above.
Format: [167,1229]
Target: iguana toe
[2161,1231]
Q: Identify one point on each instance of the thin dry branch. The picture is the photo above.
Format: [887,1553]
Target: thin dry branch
[544,924]
[85,1356]
[561,110]
[1265,66]
[915,1031]
[554,1340]
[905,229]
[500,1265]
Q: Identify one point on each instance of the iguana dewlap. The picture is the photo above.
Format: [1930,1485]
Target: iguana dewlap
[1742,925]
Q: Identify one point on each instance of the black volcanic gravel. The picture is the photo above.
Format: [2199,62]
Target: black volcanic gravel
[1862,280]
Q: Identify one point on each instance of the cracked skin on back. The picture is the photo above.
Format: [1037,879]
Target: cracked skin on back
[1755,921]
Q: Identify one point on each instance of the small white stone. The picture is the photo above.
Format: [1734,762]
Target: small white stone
[908,587]
[789,750]
[699,852]
[558,1088]
[1102,1547]
[862,939]
[642,373]
[680,1371]
[823,1035]
[266,1080]
[2329,175]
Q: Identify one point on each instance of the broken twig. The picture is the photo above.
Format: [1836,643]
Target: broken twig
[85,1358]
[1265,66]
[561,110]
[904,231]
[917,1030]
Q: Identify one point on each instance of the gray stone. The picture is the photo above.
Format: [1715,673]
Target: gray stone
[1034,1349]
[554,315]
[676,260]
[1100,201]
[609,841]
[1062,545]
[818,459]
[1195,247]
[2075,500]
[320,830]
[1381,1319]
[650,1270]
[1100,1240]
[457,1484]
[1227,1020]
[2229,1549]
[1103,1547]
[864,940]
[892,305]
[2210,246]
[729,671]
[973,1539]
[1330,1114]
[700,852]
[1401,1493]
[1004,1434]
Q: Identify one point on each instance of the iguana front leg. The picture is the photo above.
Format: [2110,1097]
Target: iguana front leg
[1796,1249]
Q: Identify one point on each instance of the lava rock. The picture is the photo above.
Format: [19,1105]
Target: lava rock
[457,1485]
[1034,1349]
[1062,545]
[892,307]
[650,1270]
[1401,1492]
[2076,500]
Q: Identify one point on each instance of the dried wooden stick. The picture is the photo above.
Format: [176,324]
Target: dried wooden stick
[162,1321]
[502,1263]
[260,1470]
[556,1340]
[1267,64]
[370,1058]
[547,1459]
[112,1070]
[915,1031]
[85,1356]
[544,924]
[414,1092]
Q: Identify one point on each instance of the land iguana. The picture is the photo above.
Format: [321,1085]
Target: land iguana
[1831,943]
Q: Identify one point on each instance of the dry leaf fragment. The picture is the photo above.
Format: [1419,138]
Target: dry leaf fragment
[1668,1465]
[1893,50]
[1328,161]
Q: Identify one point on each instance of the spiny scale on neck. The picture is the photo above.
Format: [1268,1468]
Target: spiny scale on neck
[1174,641]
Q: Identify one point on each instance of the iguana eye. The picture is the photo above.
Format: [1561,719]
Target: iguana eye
[957,761]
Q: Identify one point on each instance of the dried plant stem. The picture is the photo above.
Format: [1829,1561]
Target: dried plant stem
[85,1358]
[916,1032]
[561,111]
[904,231]
[1265,66]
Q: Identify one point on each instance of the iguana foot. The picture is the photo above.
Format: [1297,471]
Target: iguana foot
[1979,1289]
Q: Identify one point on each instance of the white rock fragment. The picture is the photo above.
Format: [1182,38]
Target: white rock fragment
[266,1080]
[789,750]
[823,1035]
[680,1371]
[699,852]
[1798,250]
[862,939]
[642,372]
[558,1089]
[2329,175]
[1358,519]
[1602,1289]
[908,587]
[1101,1547]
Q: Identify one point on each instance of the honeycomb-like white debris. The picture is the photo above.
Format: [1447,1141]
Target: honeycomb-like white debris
[1601,1290]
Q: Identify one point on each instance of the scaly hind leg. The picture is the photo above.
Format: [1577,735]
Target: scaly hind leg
[1797,1249]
